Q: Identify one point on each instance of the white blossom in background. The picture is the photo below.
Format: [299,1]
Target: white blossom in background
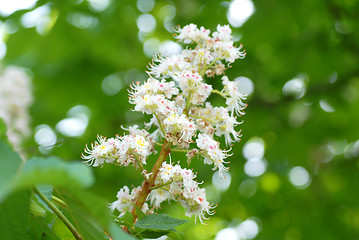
[176,95]
[15,100]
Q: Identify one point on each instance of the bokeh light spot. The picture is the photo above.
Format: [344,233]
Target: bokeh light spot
[145,5]
[169,48]
[111,84]
[39,18]
[239,12]
[221,183]
[247,188]
[254,148]
[151,46]
[3,49]
[45,136]
[295,87]
[255,167]
[99,5]
[248,229]
[146,23]
[299,114]
[326,106]
[12,6]
[246,85]
[227,234]
[270,182]
[76,122]
[299,177]
[81,20]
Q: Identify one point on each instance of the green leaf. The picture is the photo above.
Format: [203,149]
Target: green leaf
[36,209]
[174,235]
[15,216]
[47,191]
[118,234]
[126,220]
[152,233]
[61,230]
[139,212]
[88,212]
[10,162]
[40,229]
[55,171]
[2,130]
[159,222]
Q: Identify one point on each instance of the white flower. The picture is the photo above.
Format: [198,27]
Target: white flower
[157,196]
[213,154]
[188,80]
[153,86]
[121,150]
[188,33]
[235,97]
[169,66]
[223,33]
[167,171]
[125,201]
[201,93]
[102,151]
[175,123]
[219,118]
[225,125]
[184,189]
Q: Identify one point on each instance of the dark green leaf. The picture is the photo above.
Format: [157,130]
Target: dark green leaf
[139,212]
[89,213]
[152,233]
[10,162]
[126,219]
[47,191]
[40,229]
[15,216]
[159,222]
[118,234]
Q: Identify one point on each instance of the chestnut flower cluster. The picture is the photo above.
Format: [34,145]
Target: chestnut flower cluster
[15,100]
[176,96]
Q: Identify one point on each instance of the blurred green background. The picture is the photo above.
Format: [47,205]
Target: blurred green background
[293,176]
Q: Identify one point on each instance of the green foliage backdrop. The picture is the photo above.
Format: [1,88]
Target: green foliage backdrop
[315,39]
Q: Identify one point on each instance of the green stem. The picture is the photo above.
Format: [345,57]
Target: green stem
[58,214]
[59,201]
[207,119]
[202,72]
[158,144]
[219,93]
[138,161]
[212,63]
[159,122]
[188,104]
[148,184]
[162,185]
[179,150]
